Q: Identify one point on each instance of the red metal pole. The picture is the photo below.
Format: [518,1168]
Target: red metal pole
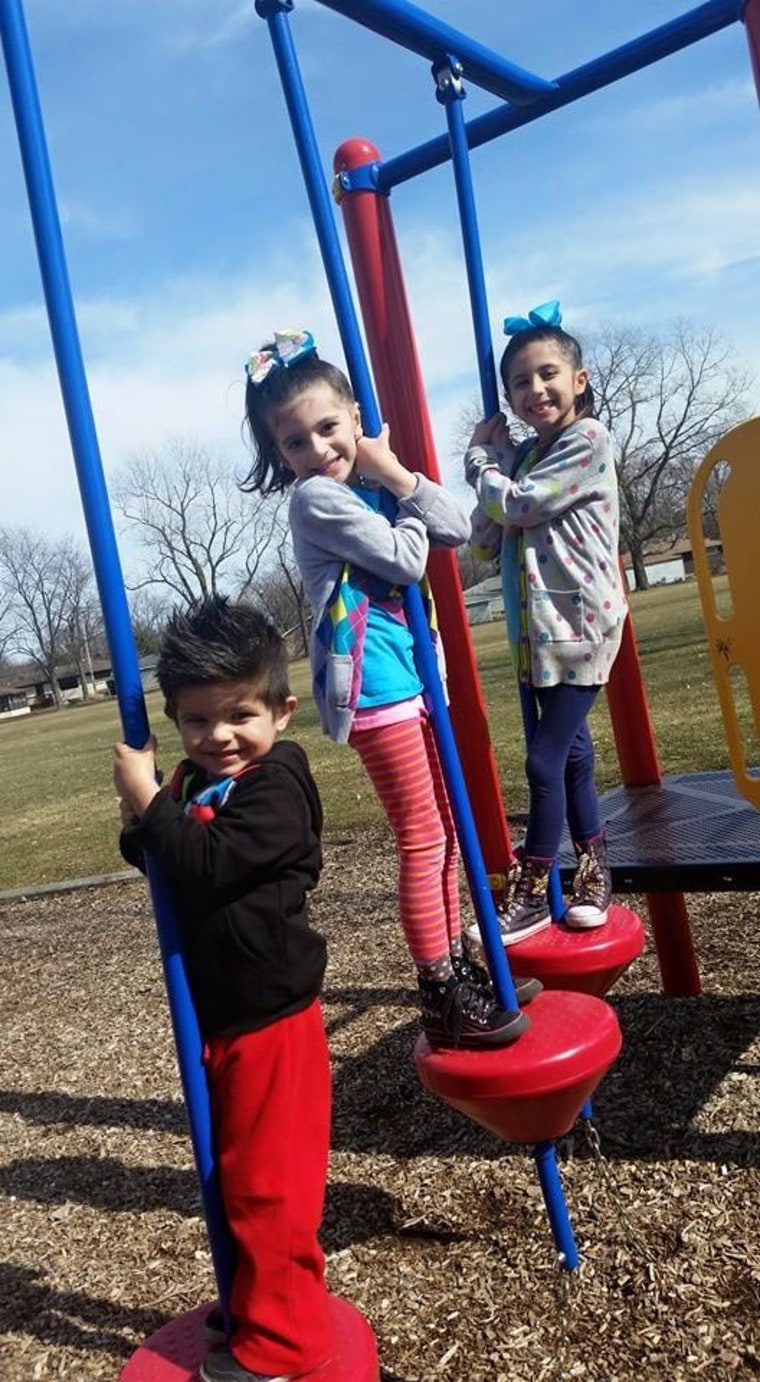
[639,767]
[393,352]
[751,19]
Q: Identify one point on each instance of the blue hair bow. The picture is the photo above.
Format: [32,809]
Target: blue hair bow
[289,348]
[546,314]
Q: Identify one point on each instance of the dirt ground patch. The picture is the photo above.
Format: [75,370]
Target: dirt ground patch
[434,1228]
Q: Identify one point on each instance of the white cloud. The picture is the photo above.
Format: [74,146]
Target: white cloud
[213,33]
[170,362]
[711,106]
[117,225]
[164,365]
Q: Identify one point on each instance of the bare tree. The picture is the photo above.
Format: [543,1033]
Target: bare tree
[198,531]
[149,612]
[471,569]
[83,631]
[7,624]
[280,592]
[666,400]
[47,585]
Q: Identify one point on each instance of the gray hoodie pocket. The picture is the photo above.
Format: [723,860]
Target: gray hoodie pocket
[556,616]
[339,680]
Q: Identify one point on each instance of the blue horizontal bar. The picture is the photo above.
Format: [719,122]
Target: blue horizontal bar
[592,76]
[422,33]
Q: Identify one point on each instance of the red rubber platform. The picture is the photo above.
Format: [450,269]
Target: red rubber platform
[175,1353]
[585,961]
[533,1090]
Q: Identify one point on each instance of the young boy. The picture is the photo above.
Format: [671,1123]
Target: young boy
[238,833]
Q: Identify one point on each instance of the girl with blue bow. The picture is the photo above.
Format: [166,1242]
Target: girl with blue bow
[355,557]
[548,508]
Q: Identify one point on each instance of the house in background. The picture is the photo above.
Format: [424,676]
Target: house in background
[672,561]
[664,564]
[25,688]
[484,601]
[147,666]
[13,702]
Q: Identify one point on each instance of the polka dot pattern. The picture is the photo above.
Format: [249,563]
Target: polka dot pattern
[570,599]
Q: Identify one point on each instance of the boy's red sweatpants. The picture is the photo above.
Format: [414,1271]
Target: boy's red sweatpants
[270,1099]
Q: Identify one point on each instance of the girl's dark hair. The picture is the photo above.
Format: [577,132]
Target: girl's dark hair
[217,640]
[567,344]
[269,474]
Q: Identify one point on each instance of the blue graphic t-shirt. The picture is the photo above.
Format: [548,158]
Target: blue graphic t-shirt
[388,669]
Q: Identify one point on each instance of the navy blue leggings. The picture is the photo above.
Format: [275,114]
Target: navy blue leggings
[560,770]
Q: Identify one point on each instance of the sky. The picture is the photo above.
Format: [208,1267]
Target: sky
[189,240]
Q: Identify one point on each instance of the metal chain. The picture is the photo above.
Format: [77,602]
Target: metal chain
[563,1355]
[606,1175]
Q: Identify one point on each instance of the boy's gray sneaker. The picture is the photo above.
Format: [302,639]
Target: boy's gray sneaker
[213,1327]
[224,1367]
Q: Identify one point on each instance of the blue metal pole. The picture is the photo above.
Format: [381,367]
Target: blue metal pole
[475,868]
[581,81]
[556,1206]
[451,95]
[105,557]
[411,27]
[274,12]
[322,210]
[320,201]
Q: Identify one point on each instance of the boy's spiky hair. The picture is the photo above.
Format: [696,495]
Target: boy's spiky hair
[217,640]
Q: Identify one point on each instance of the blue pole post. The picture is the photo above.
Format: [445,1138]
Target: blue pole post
[451,94]
[320,202]
[274,11]
[105,557]
[556,1205]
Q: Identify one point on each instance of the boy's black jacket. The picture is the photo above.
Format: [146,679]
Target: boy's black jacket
[240,883]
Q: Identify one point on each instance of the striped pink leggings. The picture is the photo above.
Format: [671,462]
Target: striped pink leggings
[401,761]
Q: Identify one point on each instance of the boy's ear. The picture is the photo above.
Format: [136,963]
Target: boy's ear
[289,708]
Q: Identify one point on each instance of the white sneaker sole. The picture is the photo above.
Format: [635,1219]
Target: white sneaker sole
[584,920]
[515,937]
[473,934]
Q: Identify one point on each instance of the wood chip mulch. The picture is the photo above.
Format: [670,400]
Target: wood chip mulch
[434,1228]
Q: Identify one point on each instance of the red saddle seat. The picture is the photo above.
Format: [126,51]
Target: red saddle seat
[585,961]
[533,1090]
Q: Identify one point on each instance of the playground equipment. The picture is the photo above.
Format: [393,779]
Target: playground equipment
[534,1091]
[659,829]
[586,961]
[734,464]
[174,1353]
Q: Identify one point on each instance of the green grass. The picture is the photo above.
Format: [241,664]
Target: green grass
[58,814]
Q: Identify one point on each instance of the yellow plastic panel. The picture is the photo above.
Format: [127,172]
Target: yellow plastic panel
[733,638]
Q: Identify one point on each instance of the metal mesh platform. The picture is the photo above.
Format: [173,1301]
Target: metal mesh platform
[694,833]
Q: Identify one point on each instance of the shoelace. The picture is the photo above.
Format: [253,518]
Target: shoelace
[471,972]
[589,878]
[473,1002]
